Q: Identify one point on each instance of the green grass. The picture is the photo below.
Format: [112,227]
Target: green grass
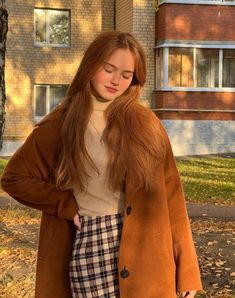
[3,162]
[208,180]
[205,180]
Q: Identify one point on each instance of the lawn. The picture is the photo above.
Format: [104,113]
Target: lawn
[205,180]
[208,180]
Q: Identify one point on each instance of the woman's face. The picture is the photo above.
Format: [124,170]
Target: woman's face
[115,75]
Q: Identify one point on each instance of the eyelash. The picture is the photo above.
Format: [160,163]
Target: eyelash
[110,71]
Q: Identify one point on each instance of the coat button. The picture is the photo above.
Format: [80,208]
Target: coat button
[128,210]
[124,273]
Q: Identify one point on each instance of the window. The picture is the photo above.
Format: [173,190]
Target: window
[160,67]
[46,97]
[207,68]
[51,27]
[195,68]
[229,68]
[180,67]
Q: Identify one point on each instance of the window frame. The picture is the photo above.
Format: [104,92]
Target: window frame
[48,86]
[199,2]
[47,43]
[167,45]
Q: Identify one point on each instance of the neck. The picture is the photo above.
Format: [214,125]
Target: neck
[100,103]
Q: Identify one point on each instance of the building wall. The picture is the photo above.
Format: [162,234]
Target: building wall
[124,15]
[201,101]
[138,17]
[195,22]
[195,137]
[198,131]
[143,28]
[27,64]
[107,15]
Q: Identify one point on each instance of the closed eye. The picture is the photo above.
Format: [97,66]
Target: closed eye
[127,77]
[107,68]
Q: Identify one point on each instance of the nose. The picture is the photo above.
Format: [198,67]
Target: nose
[115,79]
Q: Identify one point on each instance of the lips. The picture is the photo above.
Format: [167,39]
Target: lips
[110,89]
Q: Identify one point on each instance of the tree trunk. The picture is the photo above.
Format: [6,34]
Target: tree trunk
[3,36]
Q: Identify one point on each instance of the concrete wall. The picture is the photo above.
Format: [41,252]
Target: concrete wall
[189,137]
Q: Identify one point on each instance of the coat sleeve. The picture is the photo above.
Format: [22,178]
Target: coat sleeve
[187,268]
[26,179]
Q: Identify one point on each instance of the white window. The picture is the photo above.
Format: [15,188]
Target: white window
[189,68]
[207,68]
[46,97]
[51,27]
[229,68]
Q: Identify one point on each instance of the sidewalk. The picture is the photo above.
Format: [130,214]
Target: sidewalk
[209,210]
[194,210]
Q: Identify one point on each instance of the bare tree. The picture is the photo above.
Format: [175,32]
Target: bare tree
[3,36]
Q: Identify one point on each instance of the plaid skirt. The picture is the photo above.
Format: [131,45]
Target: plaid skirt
[93,269]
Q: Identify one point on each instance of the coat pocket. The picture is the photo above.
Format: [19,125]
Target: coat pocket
[156,234]
[48,229]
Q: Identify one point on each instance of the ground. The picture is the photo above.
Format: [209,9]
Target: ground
[214,241]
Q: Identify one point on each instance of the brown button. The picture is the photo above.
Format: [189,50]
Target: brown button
[124,273]
[128,210]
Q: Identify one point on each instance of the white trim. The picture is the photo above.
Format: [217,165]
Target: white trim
[196,44]
[220,68]
[216,89]
[200,2]
[43,44]
[194,68]
[48,86]
[165,67]
[47,26]
[193,110]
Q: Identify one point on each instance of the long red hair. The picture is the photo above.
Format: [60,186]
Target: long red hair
[135,146]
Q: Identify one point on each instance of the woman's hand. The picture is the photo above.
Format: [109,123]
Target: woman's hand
[188,294]
[76,221]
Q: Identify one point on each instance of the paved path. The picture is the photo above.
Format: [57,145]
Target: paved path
[199,210]
[194,210]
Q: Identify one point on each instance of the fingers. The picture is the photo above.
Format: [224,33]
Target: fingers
[76,221]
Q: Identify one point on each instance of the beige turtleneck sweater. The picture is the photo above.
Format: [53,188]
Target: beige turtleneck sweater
[98,199]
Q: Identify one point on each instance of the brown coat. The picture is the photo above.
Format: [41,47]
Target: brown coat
[156,248]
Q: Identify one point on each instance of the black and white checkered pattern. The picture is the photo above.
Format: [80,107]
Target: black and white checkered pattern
[93,267]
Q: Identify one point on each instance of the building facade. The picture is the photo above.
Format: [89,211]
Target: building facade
[45,43]
[190,50]
[195,74]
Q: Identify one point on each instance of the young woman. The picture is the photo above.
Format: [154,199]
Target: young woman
[101,169]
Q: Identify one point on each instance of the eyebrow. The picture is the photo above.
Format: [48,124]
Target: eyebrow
[116,67]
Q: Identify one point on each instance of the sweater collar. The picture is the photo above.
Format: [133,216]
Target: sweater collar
[100,103]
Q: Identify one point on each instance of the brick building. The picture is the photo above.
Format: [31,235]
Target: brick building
[195,74]
[41,62]
[191,64]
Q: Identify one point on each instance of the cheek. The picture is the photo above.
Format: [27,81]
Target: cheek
[100,78]
[125,85]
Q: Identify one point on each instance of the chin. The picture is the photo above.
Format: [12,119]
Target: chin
[109,97]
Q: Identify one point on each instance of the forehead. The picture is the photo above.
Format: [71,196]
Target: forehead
[122,59]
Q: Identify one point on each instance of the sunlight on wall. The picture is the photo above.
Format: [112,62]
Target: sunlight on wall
[56,68]
[86,26]
[16,77]
[140,3]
